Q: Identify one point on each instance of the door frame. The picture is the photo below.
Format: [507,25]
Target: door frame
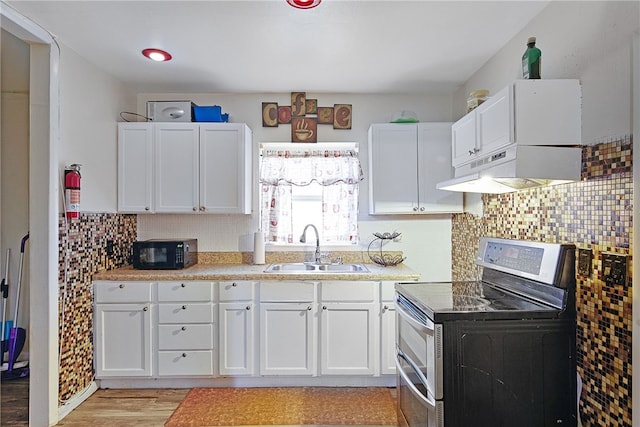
[43,214]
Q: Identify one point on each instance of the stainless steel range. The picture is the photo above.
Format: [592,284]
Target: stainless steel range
[495,352]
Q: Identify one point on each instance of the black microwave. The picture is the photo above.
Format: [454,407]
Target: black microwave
[162,254]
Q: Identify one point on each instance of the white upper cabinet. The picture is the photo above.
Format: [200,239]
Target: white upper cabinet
[406,161]
[184,168]
[176,167]
[527,112]
[135,167]
[225,154]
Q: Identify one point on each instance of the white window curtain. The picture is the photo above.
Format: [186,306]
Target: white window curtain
[338,171]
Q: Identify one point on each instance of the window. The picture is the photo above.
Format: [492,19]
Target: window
[304,184]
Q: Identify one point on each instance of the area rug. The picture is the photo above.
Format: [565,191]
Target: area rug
[328,406]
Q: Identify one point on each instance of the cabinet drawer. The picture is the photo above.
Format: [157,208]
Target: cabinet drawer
[185,291]
[350,291]
[185,362]
[287,291]
[185,313]
[107,292]
[236,290]
[185,337]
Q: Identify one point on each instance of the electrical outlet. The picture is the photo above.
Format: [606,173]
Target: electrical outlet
[584,262]
[614,269]
[109,247]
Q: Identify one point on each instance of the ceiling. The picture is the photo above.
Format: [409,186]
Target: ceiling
[242,46]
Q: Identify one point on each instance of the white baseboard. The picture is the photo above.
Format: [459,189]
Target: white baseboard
[76,400]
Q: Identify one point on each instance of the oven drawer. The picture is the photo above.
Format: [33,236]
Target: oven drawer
[421,341]
[416,407]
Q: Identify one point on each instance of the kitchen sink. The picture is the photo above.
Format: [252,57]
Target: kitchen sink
[303,267]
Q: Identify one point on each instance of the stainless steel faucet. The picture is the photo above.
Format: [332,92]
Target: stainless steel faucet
[303,239]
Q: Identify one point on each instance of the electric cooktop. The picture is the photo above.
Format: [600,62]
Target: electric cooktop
[520,279]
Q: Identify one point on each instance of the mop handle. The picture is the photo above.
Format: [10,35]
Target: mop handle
[15,312]
[5,293]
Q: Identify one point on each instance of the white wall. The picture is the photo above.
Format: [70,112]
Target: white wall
[426,240]
[90,104]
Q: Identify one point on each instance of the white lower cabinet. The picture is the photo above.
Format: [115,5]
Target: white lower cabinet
[348,328]
[387,329]
[288,328]
[186,328]
[236,353]
[122,329]
[202,329]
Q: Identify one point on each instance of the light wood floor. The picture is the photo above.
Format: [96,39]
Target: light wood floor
[121,408]
[144,408]
[108,408]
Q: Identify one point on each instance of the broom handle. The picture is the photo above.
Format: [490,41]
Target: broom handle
[15,315]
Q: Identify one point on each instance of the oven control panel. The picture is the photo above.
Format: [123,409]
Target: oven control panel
[534,260]
[513,256]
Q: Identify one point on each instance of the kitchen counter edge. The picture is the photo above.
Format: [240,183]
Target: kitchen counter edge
[252,272]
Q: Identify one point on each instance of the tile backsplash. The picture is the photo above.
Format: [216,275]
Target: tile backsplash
[594,213]
[81,246]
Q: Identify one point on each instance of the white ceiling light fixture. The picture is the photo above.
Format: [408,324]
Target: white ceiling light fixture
[157,55]
[304,4]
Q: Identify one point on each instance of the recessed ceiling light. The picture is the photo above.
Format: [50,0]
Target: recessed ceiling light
[157,55]
[304,4]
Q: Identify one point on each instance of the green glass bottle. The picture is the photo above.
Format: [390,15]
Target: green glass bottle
[531,60]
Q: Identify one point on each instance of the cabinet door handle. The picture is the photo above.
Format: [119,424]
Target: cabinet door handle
[184,328]
[145,309]
[324,307]
[234,284]
[415,208]
[184,354]
[182,285]
[248,307]
[309,307]
[385,308]
[201,208]
[146,208]
[121,286]
[422,209]
[184,307]
[195,208]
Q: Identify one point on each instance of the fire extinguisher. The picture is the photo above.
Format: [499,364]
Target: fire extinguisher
[72,190]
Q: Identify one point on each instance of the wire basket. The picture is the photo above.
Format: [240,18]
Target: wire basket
[386,260]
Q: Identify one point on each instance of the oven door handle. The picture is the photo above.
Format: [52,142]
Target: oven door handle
[428,327]
[428,400]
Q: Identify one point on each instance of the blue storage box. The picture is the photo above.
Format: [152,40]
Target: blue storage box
[211,113]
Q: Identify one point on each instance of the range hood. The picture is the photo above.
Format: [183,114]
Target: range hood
[515,168]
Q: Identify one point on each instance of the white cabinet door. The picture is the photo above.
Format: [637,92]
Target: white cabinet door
[463,140]
[393,169]
[287,339]
[348,340]
[387,338]
[237,335]
[176,167]
[406,161]
[495,126]
[434,166]
[123,340]
[225,168]
[135,168]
